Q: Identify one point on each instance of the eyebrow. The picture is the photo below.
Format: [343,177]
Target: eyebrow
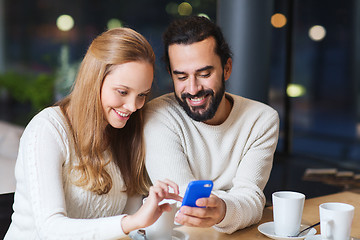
[128,88]
[147,91]
[197,71]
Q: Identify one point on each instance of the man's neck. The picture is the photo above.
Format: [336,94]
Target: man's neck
[222,112]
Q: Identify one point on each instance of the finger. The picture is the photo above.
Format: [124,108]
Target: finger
[164,185]
[174,196]
[172,184]
[165,207]
[154,195]
[161,184]
[212,201]
[162,188]
[196,212]
[214,206]
[159,192]
[192,221]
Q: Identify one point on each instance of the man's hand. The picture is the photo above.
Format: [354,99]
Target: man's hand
[213,213]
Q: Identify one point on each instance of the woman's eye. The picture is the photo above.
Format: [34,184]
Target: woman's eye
[143,95]
[122,92]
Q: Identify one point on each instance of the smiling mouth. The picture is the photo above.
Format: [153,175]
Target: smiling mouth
[197,101]
[121,114]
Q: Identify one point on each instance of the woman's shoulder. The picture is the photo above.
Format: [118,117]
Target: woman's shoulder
[50,113]
[50,118]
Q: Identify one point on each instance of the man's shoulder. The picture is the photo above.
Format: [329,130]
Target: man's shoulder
[165,102]
[240,101]
[165,110]
[252,109]
[166,98]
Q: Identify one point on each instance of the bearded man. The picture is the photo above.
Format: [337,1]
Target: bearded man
[201,132]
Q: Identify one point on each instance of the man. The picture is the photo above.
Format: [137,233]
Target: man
[201,132]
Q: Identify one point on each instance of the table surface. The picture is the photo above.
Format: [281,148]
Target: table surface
[310,216]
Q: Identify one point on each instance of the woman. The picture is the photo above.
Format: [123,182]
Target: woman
[80,169]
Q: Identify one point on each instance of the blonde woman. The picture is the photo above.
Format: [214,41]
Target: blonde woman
[80,169]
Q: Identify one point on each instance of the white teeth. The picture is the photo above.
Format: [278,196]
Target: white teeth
[122,114]
[197,99]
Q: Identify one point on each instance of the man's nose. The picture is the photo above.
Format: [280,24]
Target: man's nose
[193,86]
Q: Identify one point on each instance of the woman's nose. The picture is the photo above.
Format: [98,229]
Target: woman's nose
[131,105]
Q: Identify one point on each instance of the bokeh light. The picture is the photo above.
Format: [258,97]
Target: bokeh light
[295,90]
[185,9]
[171,8]
[203,15]
[114,23]
[65,22]
[317,33]
[278,20]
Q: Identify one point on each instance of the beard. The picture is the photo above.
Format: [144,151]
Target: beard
[207,111]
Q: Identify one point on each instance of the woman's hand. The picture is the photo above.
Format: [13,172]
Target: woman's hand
[150,211]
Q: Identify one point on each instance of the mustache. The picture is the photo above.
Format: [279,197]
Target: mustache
[198,95]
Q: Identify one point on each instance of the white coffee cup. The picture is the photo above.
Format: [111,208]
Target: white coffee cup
[162,229]
[287,210]
[335,220]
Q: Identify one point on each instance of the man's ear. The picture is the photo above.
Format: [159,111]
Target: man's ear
[227,69]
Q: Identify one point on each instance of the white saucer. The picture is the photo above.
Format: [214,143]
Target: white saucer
[314,237]
[179,235]
[318,237]
[268,230]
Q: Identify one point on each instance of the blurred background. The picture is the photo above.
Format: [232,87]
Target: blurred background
[299,56]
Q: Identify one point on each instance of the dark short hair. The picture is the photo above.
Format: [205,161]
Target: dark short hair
[193,29]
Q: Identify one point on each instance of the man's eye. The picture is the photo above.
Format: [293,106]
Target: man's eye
[205,75]
[181,77]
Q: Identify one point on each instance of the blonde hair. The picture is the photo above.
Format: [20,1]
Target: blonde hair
[91,133]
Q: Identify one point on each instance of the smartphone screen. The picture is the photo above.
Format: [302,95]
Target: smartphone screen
[195,190]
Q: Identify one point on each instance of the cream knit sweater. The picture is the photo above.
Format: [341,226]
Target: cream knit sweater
[236,155]
[47,205]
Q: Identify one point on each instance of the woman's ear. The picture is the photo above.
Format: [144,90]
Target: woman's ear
[227,69]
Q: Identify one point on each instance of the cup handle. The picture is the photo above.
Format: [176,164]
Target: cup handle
[175,225]
[327,229]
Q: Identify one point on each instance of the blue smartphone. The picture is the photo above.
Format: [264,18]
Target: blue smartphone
[195,190]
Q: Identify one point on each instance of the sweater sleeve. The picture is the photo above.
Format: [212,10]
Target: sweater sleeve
[41,156]
[245,201]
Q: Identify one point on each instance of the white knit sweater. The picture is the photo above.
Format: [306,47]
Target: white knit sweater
[236,155]
[47,205]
